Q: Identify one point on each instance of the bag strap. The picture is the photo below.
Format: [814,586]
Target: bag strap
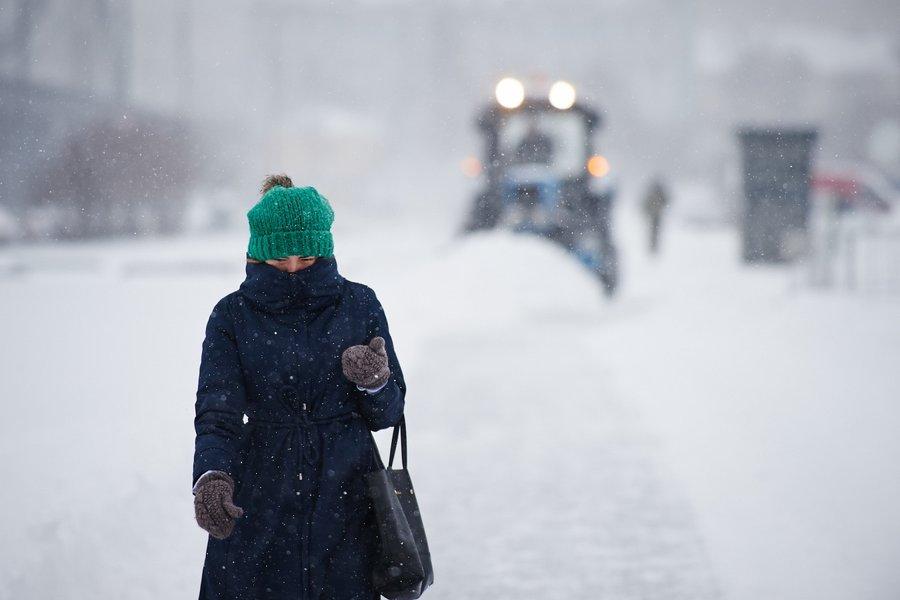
[399,431]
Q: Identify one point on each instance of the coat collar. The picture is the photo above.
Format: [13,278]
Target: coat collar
[278,291]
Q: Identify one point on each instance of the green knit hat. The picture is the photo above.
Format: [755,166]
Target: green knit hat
[290,222]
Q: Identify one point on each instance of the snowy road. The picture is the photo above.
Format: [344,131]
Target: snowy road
[561,447]
[544,486]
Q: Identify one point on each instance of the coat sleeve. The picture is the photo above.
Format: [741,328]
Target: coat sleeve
[384,407]
[221,397]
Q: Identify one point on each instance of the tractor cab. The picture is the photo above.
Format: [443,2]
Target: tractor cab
[539,166]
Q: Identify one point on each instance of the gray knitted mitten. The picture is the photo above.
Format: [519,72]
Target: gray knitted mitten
[366,365]
[214,508]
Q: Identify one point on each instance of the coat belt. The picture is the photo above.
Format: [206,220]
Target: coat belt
[304,428]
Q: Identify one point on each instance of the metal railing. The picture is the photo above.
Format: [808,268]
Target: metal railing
[857,252]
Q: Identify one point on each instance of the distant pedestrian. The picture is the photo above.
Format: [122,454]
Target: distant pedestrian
[298,366]
[655,202]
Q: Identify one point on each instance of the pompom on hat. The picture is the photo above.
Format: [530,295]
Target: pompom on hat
[289,221]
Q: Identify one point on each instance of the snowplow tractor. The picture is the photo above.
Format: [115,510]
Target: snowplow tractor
[541,175]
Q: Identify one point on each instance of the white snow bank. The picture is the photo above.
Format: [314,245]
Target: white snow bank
[779,411]
[488,282]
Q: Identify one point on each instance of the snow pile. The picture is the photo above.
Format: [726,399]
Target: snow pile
[779,412]
[490,282]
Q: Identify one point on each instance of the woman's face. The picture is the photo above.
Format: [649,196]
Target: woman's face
[292,264]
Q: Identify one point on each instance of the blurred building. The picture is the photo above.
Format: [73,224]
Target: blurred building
[673,78]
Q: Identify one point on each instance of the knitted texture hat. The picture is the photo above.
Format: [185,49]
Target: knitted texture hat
[290,222]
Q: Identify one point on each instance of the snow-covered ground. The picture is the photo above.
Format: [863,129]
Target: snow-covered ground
[712,433]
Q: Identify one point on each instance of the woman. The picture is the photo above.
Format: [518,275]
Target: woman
[306,355]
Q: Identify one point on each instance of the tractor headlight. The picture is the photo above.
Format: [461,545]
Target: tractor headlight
[562,95]
[509,92]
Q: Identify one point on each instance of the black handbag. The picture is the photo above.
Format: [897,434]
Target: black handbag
[403,568]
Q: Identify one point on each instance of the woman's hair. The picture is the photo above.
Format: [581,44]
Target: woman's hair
[275,180]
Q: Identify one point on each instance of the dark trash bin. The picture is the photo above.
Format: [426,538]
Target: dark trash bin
[776,175]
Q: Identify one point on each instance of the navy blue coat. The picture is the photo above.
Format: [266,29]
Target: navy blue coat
[273,353]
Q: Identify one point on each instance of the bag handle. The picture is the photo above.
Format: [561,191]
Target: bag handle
[399,431]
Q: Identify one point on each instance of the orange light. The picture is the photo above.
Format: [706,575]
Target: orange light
[598,166]
[471,166]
